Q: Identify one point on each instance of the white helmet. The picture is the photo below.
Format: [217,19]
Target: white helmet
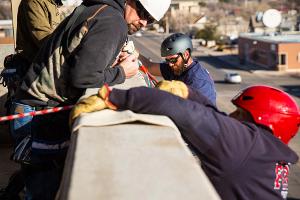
[156,8]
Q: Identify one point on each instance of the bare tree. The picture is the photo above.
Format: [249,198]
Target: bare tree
[180,22]
[5,10]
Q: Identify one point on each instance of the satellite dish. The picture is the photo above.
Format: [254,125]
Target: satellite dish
[271,18]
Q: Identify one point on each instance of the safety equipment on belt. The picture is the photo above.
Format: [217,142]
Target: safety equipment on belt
[22,152]
[176,43]
[156,8]
[92,103]
[15,68]
[177,88]
[272,108]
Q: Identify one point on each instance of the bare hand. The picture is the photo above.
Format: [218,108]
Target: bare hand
[130,65]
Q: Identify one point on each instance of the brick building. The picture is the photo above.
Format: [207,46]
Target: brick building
[274,52]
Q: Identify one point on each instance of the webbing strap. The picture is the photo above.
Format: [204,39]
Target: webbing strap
[71,22]
[69,26]
[75,20]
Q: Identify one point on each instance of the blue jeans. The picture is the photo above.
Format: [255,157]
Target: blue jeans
[43,172]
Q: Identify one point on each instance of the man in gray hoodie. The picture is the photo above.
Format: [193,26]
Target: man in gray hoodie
[78,55]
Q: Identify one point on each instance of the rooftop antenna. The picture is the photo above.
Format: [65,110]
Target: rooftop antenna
[272,19]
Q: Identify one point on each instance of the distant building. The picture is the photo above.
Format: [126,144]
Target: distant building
[6,28]
[199,23]
[184,6]
[255,24]
[232,26]
[289,22]
[6,32]
[189,6]
[275,52]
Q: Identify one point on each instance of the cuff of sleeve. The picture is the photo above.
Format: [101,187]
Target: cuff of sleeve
[118,98]
[122,72]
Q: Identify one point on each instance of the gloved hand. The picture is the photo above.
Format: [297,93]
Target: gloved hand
[177,88]
[92,103]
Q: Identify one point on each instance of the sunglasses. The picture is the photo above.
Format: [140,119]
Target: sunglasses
[172,60]
[143,13]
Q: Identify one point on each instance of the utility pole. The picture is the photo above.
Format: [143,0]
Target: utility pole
[167,28]
[14,10]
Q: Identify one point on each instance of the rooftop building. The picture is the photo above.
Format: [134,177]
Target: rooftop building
[271,51]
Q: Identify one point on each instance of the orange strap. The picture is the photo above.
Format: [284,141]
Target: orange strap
[146,71]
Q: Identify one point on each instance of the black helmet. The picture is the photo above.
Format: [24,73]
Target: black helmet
[176,43]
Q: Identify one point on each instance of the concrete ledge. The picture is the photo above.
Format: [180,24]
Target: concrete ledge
[132,161]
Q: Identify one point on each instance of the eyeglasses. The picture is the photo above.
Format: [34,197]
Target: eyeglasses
[143,13]
[172,60]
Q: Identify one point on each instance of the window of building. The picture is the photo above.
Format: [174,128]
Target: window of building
[282,59]
[273,47]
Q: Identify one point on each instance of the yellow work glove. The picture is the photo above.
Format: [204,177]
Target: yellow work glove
[177,88]
[92,103]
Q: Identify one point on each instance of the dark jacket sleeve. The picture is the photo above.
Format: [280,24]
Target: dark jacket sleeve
[192,119]
[207,129]
[166,71]
[198,97]
[39,16]
[97,51]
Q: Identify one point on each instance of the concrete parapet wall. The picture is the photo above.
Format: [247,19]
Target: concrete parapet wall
[123,155]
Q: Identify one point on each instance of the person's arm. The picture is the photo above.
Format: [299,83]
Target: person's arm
[38,20]
[225,140]
[154,68]
[195,95]
[91,63]
[189,116]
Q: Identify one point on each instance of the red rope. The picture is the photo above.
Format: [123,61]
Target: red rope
[33,113]
[145,70]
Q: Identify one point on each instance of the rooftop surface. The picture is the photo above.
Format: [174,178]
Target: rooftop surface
[274,38]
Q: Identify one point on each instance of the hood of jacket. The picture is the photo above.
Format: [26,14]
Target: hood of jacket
[118,4]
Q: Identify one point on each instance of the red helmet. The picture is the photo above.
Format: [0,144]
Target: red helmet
[271,108]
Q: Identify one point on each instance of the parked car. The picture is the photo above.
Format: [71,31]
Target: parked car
[233,78]
[138,34]
[160,30]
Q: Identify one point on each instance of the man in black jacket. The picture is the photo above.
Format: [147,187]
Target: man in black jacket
[245,156]
[79,54]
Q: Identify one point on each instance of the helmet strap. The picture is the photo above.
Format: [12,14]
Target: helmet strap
[185,60]
[184,67]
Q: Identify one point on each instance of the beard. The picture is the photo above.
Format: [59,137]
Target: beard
[132,28]
[179,70]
